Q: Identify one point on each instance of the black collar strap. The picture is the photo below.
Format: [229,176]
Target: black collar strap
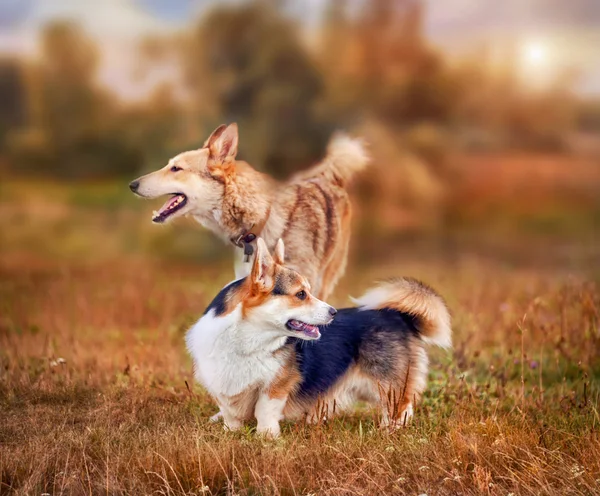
[246,239]
[245,242]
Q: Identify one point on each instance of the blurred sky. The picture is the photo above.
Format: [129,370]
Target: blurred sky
[546,34]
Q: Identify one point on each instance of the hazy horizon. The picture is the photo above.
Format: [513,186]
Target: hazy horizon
[550,35]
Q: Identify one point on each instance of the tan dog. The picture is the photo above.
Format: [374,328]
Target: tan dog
[311,212]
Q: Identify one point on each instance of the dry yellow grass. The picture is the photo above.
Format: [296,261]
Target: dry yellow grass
[514,410]
[94,395]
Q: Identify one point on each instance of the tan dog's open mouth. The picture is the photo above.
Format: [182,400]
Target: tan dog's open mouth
[172,205]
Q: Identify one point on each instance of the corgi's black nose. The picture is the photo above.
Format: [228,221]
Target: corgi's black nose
[134,185]
[332,311]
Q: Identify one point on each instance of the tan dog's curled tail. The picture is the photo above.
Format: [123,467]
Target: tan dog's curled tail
[345,157]
[410,296]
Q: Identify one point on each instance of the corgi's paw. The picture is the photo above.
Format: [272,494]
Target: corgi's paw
[217,417]
[232,424]
[271,430]
[402,420]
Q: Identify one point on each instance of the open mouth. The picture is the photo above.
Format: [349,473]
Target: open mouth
[309,330]
[173,204]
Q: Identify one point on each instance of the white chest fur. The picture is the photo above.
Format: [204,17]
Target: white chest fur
[230,359]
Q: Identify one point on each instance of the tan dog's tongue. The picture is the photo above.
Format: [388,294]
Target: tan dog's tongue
[171,203]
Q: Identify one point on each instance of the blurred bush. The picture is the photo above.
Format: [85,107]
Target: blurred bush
[402,191]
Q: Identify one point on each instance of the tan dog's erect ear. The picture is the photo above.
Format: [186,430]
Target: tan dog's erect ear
[279,253]
[214,135]
[262,269]
[223,144]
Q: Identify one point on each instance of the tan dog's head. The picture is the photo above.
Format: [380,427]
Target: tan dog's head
[195,179]
[279,297]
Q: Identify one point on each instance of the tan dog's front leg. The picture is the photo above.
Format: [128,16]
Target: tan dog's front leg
[240,266]
[268,412]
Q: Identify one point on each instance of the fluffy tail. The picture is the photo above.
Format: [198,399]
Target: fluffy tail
[345,157]
[407,295]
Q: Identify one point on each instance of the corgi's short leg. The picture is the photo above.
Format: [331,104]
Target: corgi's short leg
[402,419]
[268,412]
[399,396]
[217,417]
[231,421]
[406,414]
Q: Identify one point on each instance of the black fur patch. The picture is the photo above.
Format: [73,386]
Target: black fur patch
[279,288]
[283,282]
[219,303]
[370,338]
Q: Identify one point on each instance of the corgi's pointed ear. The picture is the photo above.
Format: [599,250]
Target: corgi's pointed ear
[224,145]
[263,268]
[279,253]
[214,135]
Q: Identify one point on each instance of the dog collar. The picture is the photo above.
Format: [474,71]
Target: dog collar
[246,239]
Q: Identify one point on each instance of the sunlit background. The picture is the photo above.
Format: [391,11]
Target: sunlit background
[482,117]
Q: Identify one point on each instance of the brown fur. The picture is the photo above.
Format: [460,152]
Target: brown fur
[408,295]
[403,390]
[240,406]
[311,212]
[288,378]
[316,228]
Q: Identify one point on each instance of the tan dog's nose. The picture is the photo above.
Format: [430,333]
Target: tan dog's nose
[134,185]
[332,311]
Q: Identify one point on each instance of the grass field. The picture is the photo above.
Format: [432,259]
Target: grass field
[96,389]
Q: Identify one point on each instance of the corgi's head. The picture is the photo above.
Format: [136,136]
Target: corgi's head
[195,180]
[279,298]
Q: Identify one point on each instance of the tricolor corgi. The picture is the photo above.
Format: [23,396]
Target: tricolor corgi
[266,348]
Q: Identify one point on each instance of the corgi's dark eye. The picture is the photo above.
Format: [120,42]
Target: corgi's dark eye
[175,168]
[301,295]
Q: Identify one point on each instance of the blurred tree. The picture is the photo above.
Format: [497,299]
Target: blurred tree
[156,126]
[339,63]
[72,131]
[13,103]
[379,64]
[246,64]
[70,106]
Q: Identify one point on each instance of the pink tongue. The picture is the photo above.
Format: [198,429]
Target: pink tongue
[307,329]
[169,203]
[311,330]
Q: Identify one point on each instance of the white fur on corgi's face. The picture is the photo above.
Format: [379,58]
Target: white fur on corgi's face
[194,179]
[280,298]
